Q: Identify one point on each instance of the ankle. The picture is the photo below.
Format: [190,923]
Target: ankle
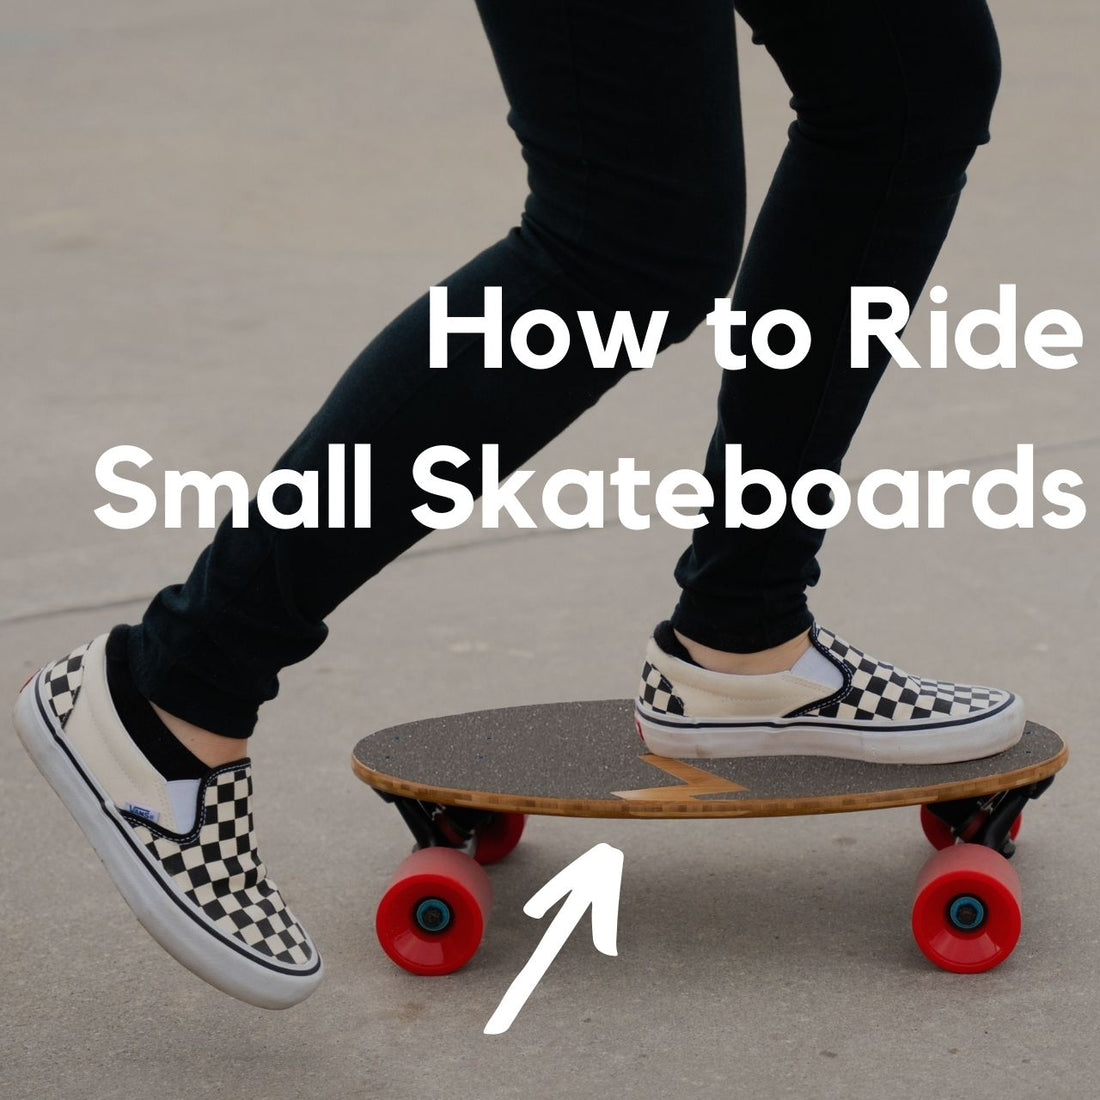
[779,658]
[213,749]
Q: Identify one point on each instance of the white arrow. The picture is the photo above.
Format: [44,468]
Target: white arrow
[592,879]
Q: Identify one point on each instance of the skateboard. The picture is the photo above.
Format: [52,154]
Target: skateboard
[466,783]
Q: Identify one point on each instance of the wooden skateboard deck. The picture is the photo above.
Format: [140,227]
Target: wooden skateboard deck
[465,783]
[585,760]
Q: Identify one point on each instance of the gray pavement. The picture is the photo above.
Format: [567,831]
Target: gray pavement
[203,202]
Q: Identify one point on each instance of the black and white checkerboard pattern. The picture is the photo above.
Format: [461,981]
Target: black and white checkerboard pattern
[656,691]
[218,868]
[62,681]
[881,691]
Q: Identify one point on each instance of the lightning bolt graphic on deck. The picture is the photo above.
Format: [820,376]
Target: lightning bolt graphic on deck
[693,782]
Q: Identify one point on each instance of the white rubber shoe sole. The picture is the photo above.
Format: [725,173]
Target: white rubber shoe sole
[919,741]
[176,924]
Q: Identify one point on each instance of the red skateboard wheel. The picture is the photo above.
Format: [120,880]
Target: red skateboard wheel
[496,839]
[966,914]
[939,832]
[432,916]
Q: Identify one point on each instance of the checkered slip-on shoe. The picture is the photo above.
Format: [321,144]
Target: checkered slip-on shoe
[183,854]
[855,706]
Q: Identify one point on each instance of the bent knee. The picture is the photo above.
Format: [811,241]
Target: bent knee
[956,84]
[919,86]
[678,262]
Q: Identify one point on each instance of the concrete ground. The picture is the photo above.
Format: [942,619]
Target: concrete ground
[203,201]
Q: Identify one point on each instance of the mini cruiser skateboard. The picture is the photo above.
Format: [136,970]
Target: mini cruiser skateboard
[465,783]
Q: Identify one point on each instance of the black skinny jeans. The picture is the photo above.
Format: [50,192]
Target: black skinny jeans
[628,115]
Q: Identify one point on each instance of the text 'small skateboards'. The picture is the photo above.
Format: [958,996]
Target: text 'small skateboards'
[464,784]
